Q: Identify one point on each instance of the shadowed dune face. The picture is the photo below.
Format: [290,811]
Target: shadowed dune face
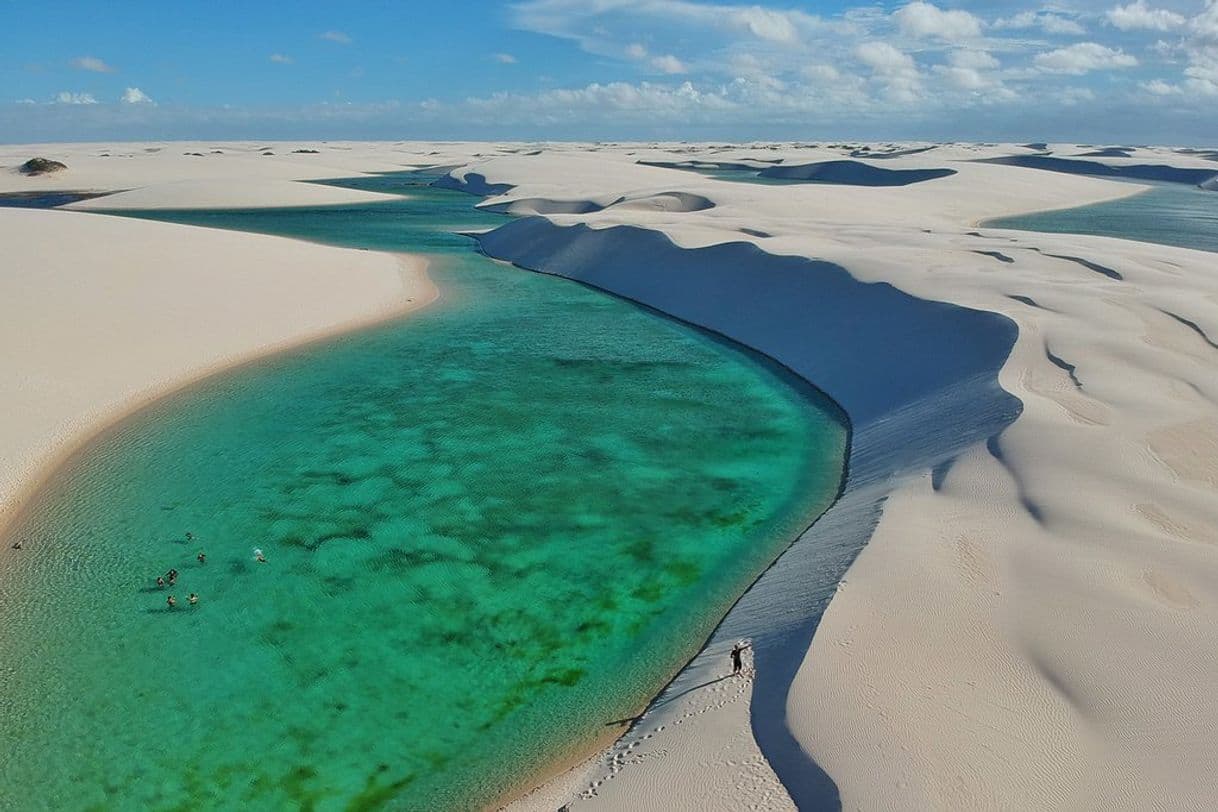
[854,173]
[1157,172]
[667,201]
[867,152]
[1107,152]
[662,201]
[816,319]
[473,183]
[706,164]
[539,205]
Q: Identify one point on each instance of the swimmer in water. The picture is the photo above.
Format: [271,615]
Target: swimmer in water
[193,599]
[259,556]
[190,536]
[160,582]
[171,601]
[202,558]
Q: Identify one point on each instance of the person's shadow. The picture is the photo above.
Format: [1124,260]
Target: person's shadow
[630,720]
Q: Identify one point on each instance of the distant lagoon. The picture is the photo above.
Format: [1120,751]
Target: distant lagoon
[1168,213]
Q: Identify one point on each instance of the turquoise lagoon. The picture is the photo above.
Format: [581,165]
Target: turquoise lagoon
[1167,213]
[493,530]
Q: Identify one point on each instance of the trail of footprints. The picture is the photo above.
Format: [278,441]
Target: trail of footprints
[627,750]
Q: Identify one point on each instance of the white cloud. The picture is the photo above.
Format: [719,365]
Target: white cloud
[970,58]
[669,64]
[644,100]
[590,22]
[282,59]
[635,50]
[1082,57]
[1199,48]
[133,95]
[967,69]
[884,58]
[504,59]
[91,63]
[775,26]
[65,97]
[926,20]
[1046,21]
[1158,87]
[1204,26]
[1139,16]
[1056,24]
[1202,73]
[336,36]
[821,74]
[894,68]
[1071,96]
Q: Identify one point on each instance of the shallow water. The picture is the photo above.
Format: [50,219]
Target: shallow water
[491,529]
[1169,213]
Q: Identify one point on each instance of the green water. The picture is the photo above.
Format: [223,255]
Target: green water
[1168,213]
[491,529]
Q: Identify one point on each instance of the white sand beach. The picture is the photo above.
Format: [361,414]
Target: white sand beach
[102,314]
[1032,621]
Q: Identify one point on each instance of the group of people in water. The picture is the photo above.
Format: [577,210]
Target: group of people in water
[171,579]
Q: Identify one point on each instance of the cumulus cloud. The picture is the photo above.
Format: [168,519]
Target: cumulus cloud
[504,59]
[928,21]
[972,58]
[969,69]
[1157,87]
[644,100]
[65,97]
[133,95]
[91,63]
[1072,96]
[591,22]
[1139,16]
[894,68]
[669,64]
[821,74]
[336,36]
[1083,57]
[635,50]
[282,59]
[1046,21]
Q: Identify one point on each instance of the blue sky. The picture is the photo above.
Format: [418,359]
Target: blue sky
[1089,70]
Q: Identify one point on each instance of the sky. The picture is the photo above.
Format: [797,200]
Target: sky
[1101,71]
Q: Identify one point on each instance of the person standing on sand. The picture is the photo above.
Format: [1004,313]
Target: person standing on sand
[737,650]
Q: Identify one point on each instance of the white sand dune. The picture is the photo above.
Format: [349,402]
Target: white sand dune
[1015,602]
[227,193]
